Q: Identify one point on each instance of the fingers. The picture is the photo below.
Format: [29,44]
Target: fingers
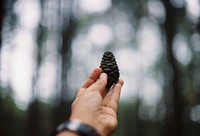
[92,78]
[111,100]
[117,90]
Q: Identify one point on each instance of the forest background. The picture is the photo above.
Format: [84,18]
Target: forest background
[48,48]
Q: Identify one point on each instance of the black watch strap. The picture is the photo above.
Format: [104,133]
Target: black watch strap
[78,127]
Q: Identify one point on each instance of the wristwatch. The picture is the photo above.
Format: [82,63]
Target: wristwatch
[78,127]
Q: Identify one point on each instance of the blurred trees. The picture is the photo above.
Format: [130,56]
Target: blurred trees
[64,32]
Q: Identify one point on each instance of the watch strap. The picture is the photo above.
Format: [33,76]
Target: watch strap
[78,127]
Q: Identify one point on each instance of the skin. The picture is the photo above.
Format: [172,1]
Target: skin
[95,105]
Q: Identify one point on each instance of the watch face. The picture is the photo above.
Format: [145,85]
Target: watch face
[74,125]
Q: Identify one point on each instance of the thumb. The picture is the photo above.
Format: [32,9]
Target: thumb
[100,84]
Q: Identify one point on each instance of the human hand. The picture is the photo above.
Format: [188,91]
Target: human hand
[97,106]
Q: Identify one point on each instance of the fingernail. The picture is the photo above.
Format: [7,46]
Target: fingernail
[103,76]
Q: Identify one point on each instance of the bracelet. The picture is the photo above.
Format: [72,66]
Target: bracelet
[78,127]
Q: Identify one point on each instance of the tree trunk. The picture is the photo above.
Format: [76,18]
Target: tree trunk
[173,126]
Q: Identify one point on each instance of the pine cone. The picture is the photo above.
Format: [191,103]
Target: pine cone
[109,66]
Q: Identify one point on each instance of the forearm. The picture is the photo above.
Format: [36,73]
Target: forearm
[67,133]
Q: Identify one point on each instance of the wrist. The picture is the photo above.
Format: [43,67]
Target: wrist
[67,133]
[90,122]
[76,127]
[97,125]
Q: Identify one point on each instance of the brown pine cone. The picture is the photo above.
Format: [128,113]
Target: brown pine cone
[109,66]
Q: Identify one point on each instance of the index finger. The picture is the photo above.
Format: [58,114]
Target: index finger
[113,100]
